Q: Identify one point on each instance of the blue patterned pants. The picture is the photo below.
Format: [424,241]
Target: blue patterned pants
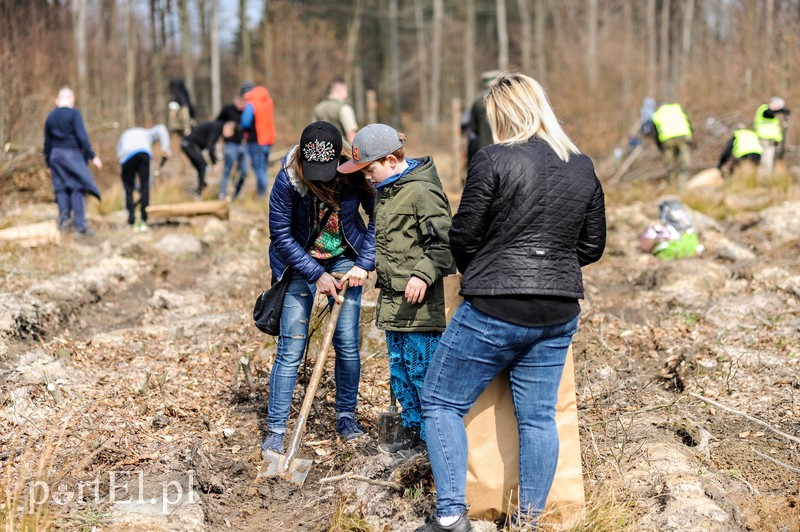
[409,357]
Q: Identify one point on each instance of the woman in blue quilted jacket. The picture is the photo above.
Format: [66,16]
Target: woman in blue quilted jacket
[310,199]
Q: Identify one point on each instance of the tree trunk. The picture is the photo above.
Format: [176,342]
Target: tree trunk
[422,60]
[266,38]
[539,39]
[436,64]
[664,50]
[157,47]
[525,38]
[203,104]
[770,29]
[79,35]
[246,57]
[686,39]
[591,47]
[100,83]
[502,35]
[394,60]
[469,52]
[627,30]
[652,64]
[186,48]
[130,76]
[352,45]
[216,92]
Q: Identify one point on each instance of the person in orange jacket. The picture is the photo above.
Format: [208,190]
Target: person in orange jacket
[259,127]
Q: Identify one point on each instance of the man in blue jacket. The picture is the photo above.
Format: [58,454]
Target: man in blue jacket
[66,150]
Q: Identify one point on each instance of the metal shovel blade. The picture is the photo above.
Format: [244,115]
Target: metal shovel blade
[273,464]
[390,425]
[298,470]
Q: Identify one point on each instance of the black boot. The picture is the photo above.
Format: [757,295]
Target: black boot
[407,439]
[462,525]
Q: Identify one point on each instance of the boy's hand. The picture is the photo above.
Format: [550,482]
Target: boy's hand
[356,276]
[415,290]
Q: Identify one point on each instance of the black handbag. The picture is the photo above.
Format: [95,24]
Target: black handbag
[269,304]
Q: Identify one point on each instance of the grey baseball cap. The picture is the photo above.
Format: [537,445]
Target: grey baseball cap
[371,143]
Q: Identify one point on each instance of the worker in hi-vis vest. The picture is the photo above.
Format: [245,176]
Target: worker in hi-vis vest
[744,145]
[674,137]
[770,130]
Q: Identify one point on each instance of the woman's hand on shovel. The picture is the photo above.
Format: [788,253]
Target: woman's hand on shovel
[356,276]
[328,285]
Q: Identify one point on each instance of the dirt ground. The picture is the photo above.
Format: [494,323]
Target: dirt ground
[687,377]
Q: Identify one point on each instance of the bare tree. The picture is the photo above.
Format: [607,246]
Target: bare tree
[186,47]
[79,34]
[627,30]
[525,44]
[770,29]
[539,39]
[686,38]
[422,58]
[394,59]
[652,75]
[157,65]
[469,51]
[436,66]
[591,46]
[246,57]
[266,37]
[502,35]
[216,92]
[664,49]
[130,71]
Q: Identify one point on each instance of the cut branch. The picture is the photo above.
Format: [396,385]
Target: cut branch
[746,416]
[361,478]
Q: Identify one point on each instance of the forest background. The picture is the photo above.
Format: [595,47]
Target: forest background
[596,58]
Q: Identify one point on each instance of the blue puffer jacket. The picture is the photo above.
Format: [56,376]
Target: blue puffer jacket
[290,223]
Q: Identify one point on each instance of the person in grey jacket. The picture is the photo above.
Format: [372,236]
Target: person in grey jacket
[134,151]
[531,215]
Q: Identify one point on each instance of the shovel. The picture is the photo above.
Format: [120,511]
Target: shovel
[289,466]
[390,426]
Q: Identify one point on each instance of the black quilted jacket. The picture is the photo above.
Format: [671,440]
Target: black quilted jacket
[527,222]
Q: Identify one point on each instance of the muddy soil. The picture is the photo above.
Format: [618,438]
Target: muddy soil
[142,338]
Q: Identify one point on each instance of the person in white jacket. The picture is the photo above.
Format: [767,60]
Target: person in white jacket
[134,151]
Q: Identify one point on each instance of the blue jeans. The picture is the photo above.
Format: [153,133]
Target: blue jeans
[474,349]
[234,153]
[292,340]
[259,158]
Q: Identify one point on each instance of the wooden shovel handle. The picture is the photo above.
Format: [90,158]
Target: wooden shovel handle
[316,375]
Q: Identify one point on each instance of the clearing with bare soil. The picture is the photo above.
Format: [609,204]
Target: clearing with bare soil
[688,377]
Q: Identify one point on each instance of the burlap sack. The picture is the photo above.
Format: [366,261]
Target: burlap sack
[493,474]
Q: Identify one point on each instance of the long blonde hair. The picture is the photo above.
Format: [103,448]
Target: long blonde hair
[517,109]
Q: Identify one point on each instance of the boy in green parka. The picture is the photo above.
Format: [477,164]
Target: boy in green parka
[412,218]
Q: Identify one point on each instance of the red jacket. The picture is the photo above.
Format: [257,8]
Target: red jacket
[261,101]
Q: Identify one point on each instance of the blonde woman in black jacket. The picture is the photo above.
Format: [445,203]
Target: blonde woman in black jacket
[532,213]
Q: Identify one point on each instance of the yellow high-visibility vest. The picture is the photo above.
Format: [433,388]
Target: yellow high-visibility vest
[745,142]
[671,122]
[767,128]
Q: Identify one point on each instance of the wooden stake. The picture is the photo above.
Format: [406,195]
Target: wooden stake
[244,361]
[53,389]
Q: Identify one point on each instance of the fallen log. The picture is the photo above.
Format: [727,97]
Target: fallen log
[218,208]
[31,235]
